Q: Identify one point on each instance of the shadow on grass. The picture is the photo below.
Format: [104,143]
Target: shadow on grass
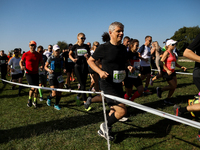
[160,129]
[48,127]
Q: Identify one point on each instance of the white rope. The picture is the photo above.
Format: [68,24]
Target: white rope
[176,72]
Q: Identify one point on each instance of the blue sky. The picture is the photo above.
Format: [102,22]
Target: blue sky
[47,22]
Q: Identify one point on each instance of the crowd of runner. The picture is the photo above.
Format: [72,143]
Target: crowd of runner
[116,63]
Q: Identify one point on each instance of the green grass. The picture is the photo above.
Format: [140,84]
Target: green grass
[72,127]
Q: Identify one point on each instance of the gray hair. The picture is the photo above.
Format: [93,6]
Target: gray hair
[114,25]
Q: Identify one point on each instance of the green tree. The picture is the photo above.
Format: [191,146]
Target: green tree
[185,36]
[62,44]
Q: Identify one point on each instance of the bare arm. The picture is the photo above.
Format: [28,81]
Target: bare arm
[191,55]
[164,57]
[47,69]
[21,65]
[102,74]
[70,56]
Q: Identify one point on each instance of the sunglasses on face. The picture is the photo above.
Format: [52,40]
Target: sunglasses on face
[173,44]
[15,52]
[96,45]
[83,38]
[40,51]
[32,45]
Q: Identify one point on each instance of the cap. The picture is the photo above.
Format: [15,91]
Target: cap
[32,42]
[56,47]
[169,42]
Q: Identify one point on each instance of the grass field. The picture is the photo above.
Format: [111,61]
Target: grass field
[23,128]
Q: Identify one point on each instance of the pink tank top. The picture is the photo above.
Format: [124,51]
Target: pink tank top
[170,62]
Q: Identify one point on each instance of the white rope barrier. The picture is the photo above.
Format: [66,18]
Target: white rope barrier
[127,102]
[176,72]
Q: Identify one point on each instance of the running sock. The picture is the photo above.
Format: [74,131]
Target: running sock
[29,98]
[183,109]
[111,120]
[49,97]
[135,95]
[40,92]
[196,101]
[126,96]
[35,99]
[20,88]
[57,100]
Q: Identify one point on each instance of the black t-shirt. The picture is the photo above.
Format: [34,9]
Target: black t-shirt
[113,58]
[195,47]
[3,60]
[79,52]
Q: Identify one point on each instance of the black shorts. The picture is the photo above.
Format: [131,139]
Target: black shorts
[168,77]
[196,77]
[54,82]
[114,89]
[69,67]
[17,76]
[32,79]
[146,70]
[129,82]
[43,79]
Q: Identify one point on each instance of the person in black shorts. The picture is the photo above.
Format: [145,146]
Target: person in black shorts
[145,55]
[3,65]
[133,78]
[31,59]
[56,80]
[15,69]
[193,53]
[114,60]
[81,54]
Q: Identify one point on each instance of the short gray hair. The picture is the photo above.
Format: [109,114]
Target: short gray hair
[114,25]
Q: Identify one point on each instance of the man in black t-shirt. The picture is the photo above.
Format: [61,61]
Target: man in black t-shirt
[194,105]
[113,56]
[3,65]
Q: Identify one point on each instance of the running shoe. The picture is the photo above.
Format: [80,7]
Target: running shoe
[123,119]
[147,92]
[191,102]
[196,96]
[198,138]
[29,104]
[159,92]
[87,103]
[102,132]
[57,107]
[66,86]
[177,110]
[35,104]
[78,102]
[41,99]
[151,82]
[89,108]
[48,102]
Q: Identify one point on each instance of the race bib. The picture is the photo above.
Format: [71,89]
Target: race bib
[134,74]
[3,61]
[81,52]
[118,76]
[173,65]
[60,79]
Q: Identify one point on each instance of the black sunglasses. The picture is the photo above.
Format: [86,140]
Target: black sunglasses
[32,45]
[96,45]
[173,44]
[83,38]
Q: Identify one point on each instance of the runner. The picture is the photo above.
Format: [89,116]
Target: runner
[114,59]
[42,72]
[145,56]
[82,53]
[193,53]
[56,80]
[31,59]
[15,69]
[3,65]
[133,78]
[169,61]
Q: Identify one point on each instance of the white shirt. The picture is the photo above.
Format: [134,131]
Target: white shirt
[14,63]
[147,55]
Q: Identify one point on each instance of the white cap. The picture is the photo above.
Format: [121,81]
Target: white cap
[170,42]
[56,47]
